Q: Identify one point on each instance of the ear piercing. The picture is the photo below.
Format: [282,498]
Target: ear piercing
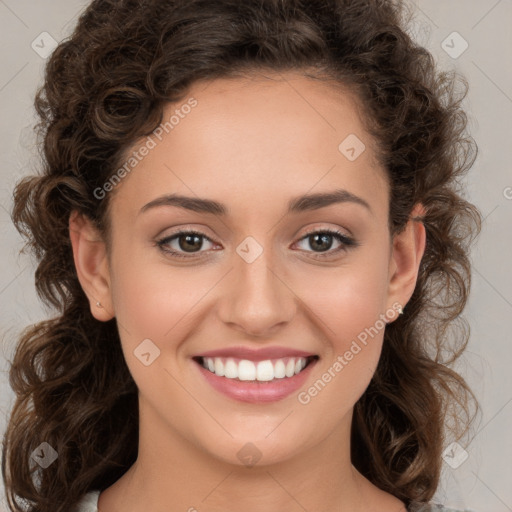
[98,305]
[400,310]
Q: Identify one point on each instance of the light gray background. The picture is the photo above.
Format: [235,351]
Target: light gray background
[483,482]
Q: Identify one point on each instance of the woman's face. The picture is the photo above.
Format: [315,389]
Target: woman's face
[292,257]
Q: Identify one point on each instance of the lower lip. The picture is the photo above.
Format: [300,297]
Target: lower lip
[257,392]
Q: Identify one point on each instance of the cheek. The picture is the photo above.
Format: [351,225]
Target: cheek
[153,302]
[353,325]
[348,300]
[349,307]
[155,312]
[150,297]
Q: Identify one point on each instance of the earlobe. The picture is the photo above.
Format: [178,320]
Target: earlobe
[408,250]
[91,263]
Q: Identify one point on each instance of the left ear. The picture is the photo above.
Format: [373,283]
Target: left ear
[408,249]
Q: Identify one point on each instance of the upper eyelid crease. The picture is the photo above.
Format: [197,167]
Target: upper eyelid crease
[299,204]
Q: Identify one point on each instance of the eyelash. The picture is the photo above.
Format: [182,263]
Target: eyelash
[346,242]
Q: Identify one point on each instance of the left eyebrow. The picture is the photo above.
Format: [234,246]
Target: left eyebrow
[299,204]
[321,200]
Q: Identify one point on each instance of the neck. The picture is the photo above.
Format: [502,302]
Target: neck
[171,472]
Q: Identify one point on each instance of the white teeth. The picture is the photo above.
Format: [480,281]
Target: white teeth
[265,371]
[246,370]
[279,369]
[219,367]
[230,369]
[290,368]
[262,371]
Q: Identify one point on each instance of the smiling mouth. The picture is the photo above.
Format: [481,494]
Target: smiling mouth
[250,371]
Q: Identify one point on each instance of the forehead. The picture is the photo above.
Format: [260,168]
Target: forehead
[257,138]
[286,108]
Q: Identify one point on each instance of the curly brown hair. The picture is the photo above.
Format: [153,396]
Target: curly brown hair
[105,87]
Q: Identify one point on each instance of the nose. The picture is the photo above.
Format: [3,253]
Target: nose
[256,298]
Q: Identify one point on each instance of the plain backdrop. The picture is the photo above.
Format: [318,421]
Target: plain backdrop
[471,36]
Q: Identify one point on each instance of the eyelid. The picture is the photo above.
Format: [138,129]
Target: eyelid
[323,229]
[163,241]
[346,241]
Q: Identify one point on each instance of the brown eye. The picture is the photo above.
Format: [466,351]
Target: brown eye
[190,243]
[321,241]
[183,242]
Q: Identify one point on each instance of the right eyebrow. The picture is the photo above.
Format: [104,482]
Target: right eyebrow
[188,203]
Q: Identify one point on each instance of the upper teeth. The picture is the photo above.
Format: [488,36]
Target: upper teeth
[243,369]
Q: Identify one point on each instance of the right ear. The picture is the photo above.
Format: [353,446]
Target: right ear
[91,263]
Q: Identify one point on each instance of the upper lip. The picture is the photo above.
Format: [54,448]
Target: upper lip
[252,354]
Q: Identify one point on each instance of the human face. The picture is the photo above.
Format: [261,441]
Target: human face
[252,280]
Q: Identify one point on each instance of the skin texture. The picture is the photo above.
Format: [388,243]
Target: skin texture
[253,145]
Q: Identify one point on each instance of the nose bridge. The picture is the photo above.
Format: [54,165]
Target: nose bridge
[258,298]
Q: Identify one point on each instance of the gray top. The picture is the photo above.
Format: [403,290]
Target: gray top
[89,503]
